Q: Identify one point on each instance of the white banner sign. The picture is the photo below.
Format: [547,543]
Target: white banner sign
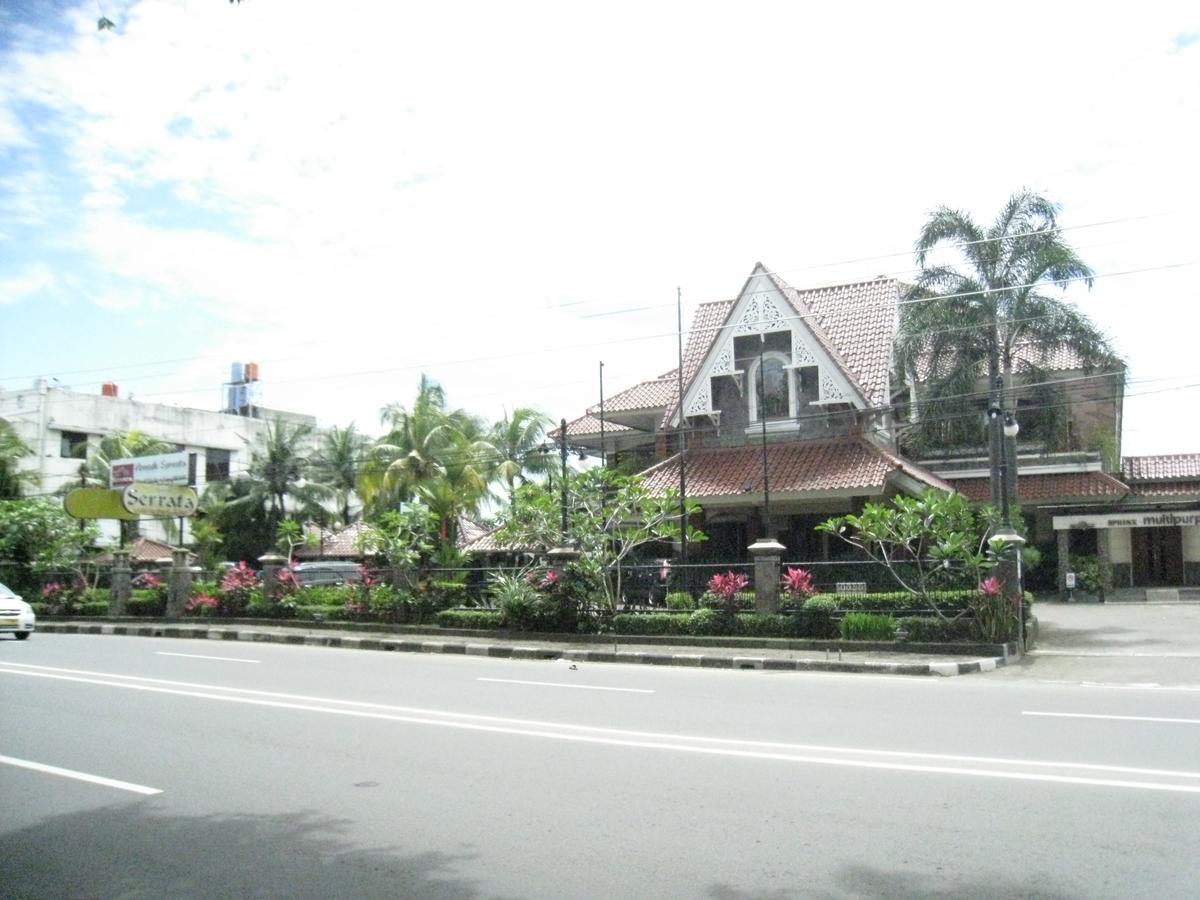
[166,468]
[1130,520]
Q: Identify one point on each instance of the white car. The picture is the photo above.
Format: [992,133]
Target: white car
[15,615]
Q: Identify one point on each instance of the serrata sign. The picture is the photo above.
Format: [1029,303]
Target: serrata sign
[163,501]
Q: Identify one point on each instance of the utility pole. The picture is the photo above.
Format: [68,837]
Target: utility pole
[683,523]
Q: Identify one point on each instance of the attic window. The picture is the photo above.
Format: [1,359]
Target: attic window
[778,400]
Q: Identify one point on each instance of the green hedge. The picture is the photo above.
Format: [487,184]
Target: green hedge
[929,630]
[469,618]
[890,601]
[680,601]
[864,626]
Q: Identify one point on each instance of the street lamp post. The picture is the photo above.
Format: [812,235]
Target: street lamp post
[564,552]
[1006,538]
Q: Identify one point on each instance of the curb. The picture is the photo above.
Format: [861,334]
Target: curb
[533,651]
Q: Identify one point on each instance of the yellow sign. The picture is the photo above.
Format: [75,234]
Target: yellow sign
[163,501]
[96,503]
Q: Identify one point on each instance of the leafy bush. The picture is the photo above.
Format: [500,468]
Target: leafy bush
[707,621]
[326,595]
[146,602]
[681,601]
[930,630]
[1087,573]
[202,605]
[93,608]
[469,618]
[817,617]
[797,583]
[764,625]
[743,599]
[890,601]
[384,602]
[864,626]
[652,623]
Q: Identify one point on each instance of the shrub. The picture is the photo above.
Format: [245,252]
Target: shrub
[707,621]
[384,602]
[326,595]
[145,602]
[930,630]
[680,601]
[864,626]
[797,583]
[469,618]
[743,599]
[93,608]
[202,605]
[764,625]
[236,588]
[817,617]
[651,623]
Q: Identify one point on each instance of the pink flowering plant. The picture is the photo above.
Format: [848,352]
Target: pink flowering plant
[995,614]
[237,586]
[725,587]
[797,583]
[202,605]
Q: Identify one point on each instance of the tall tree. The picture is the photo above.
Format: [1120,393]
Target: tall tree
[275,479]
[13,479]
[516,448]
[424,443]
[991,313]
[337,464]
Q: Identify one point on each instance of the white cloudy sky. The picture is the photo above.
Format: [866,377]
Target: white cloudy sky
[503,195]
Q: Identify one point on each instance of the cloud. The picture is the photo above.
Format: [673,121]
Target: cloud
[27,283]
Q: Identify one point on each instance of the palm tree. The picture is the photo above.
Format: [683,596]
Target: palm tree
[337,464]
[12,451]
[516,447]
[991,315]
[275,477]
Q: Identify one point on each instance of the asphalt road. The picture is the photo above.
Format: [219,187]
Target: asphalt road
[289,771]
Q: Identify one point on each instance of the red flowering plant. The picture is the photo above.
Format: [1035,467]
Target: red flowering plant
[202,605]
[236,588]
[797,583]
[995,614]
[147,581]
[726,587]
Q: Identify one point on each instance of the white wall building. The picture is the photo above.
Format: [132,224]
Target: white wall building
[63,427]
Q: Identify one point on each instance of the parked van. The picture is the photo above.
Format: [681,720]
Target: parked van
[310,573]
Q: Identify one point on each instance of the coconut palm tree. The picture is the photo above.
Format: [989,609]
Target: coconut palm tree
[516,447]
[337,464]
[991,314]
[97,468]
[275,479]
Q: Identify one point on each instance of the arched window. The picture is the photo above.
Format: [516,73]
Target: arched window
[777,400]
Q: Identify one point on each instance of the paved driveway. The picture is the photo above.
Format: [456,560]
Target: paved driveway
[1115,643]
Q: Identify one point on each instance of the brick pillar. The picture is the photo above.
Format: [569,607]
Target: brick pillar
[179,583]
[1064,560]
[272,564]
[767,553]
[120,584]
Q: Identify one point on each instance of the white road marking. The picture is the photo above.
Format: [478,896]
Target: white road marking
[78,776]
[578,687]
[198,656]
[587,734]
[1118,654]
[1066,715]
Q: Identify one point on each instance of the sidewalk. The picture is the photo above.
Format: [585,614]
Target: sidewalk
[610,649]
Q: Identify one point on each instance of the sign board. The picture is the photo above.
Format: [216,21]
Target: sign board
[162,501]
[1070,581]
[96,503]
[1183,518]
[165,468]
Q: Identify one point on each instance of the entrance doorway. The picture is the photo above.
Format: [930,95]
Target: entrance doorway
[1157,556]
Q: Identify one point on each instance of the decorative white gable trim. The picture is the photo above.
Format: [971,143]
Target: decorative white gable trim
[762,309]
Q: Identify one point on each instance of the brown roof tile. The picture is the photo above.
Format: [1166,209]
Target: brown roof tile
[1161,468]
[801,467]
[1056,486]
[589,426]
[1165,489]
[654,394]
[332,544]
